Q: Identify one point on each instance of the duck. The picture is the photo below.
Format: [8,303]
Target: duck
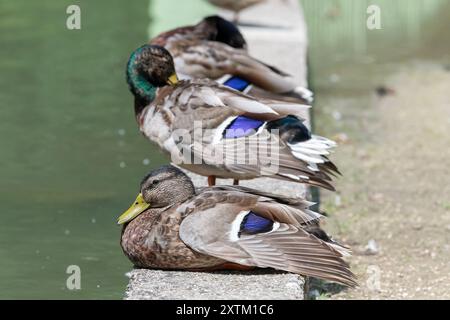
[235,5]
[215,48]
[169,227]
[219,132]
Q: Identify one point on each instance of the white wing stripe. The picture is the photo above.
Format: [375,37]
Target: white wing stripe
[236,226]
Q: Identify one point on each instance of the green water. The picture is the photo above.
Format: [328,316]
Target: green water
[71,155]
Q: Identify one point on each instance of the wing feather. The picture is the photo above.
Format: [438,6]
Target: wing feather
[287,247]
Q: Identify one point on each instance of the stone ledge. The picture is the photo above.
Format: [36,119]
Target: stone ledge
[176,285]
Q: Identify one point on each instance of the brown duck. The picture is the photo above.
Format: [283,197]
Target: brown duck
[172,225]
[215,49]
[196,120]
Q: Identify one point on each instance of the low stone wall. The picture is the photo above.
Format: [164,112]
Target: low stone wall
[177,285]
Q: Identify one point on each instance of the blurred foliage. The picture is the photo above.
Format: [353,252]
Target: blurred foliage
[337,28]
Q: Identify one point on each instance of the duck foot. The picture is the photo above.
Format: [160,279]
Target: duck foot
[211,181]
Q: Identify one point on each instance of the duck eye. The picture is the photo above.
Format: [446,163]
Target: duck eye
[155,182]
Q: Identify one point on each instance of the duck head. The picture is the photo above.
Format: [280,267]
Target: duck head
[150,67]
[160,188]
[222,30]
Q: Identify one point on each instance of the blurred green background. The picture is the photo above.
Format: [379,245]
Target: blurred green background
[72,156]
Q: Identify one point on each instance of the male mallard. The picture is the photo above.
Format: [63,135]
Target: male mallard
[171,225]
[216,131]
[235,5]
[215,49]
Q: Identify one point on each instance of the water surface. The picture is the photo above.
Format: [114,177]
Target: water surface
[71,153]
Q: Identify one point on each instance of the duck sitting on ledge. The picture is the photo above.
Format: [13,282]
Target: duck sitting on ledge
[173,226]
[216,131]
[216,49]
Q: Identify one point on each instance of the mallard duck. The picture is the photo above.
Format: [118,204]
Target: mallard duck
[235,5]
[173,225]
[215,131]
[215,49]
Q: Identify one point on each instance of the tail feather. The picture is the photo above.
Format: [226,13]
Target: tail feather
[301,93]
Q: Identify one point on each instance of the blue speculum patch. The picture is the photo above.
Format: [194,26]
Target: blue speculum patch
[237,83]
[242,127]
[253,223]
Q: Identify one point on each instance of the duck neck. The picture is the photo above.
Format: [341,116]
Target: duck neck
[140,86]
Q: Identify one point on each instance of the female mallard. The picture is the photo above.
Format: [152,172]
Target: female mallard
[235,5]
[216,131]
[171,225]
[215,49]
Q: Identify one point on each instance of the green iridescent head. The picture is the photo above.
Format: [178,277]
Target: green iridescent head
[148,68]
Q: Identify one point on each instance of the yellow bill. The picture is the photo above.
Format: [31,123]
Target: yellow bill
[139,205]
[173,79]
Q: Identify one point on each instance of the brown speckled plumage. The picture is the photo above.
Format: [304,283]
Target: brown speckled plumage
[152,241]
